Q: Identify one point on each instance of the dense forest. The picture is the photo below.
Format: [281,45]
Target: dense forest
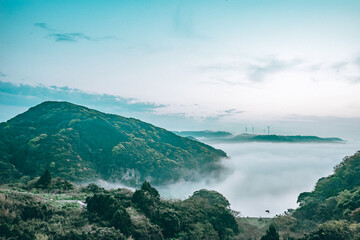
[81,144]
[46,208]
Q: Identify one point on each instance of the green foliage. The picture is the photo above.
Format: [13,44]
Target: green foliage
[208,207]
[56,185]
[205,215]
[8,172]
[271,233]
[355,215]
[335,197]
[212,197]
[331,230]
[121,220]
[169,221]
[115,214]
[147,199]
[92,188]
[59,185]
[146,187]
[44,180]
[80,144]
[333,205]
[103,205]
[345,177]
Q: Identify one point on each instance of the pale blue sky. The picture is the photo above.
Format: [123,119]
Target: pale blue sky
[229,60]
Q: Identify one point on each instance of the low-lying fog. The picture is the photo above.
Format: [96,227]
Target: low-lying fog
[268,176]
[264,176]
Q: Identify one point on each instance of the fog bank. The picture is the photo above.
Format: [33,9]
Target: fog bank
[267,176]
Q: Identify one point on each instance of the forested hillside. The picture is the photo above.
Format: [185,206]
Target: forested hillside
[332,209]
[80,144]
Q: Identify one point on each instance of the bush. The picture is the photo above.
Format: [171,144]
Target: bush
[169,221]
[44,180]
[330,230]
[121,220]
[355,215]
[271,233]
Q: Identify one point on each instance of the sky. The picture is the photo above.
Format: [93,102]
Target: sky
[187,65]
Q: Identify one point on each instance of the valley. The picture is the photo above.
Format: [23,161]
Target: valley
[57,157]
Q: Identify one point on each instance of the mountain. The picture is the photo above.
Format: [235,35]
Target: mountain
[221,136]
[81,144]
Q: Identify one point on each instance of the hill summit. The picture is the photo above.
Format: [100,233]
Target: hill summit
[82,144]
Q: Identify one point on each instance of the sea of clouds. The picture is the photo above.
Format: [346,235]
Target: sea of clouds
[267,176]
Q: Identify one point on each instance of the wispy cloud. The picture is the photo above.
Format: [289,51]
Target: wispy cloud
[247,72]
[17,98]
[233,111]
[354,80]
[44,26]
[339,66]
[252,73]
[196,111]
[357,61]
[60,36]
[229,113]
[2,74]
[69,37]
[348,70]
[259,71]
[25,96]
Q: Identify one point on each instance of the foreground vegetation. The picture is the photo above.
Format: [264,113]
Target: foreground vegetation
[331,210]
[43,210]
[53,208]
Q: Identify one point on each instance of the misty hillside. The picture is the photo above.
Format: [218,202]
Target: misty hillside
[336,196]
[79,144]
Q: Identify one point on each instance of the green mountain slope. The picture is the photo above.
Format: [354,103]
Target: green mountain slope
[336,196]
[79,144]
[331,210]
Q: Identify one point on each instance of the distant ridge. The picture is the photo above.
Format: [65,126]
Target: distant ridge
[221,136]
[205,133]
[81,144]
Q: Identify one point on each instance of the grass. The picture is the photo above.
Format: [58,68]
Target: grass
[58,200]
[257,222]
[252,227]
